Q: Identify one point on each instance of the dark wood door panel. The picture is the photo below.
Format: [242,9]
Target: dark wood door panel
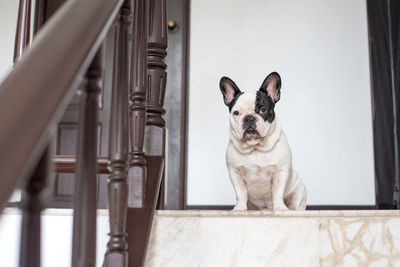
[67,135]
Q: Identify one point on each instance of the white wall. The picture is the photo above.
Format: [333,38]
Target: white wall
[320,48]
[56,238]
[8,24]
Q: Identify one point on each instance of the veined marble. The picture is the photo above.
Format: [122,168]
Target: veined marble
[265,238]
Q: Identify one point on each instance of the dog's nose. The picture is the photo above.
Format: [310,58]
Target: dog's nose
[249,120]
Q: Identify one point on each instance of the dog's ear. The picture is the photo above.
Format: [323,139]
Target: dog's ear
[272,86]
[228,89]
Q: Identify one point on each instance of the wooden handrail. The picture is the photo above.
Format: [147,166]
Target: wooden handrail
[35,94]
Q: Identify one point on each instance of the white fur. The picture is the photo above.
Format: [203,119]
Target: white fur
[260,167]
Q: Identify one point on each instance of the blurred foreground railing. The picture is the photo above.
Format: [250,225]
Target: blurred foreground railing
[65,55]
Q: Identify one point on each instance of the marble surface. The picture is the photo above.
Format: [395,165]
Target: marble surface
[265,238]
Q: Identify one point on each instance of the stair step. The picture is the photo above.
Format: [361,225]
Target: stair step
[265,238]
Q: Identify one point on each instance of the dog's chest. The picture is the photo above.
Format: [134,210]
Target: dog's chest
[257,172]
[259,164]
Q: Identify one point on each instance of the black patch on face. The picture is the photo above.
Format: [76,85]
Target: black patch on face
[265,102]
[234,101]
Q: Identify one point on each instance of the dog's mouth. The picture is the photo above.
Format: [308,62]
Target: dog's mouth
[250,132]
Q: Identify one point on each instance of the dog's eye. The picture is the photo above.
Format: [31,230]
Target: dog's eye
[236,112]
[262,110]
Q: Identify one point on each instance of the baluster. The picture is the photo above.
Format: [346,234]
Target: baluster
[31,200]
[138,86]
[157,77]
[22,36]
[85,195]
[32,207]
[116,254]
[39,17]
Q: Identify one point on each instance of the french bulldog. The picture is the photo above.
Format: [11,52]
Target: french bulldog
[258,156]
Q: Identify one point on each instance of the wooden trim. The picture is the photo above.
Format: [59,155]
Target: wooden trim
[176,101]
[310,207]
[341,207]
[208,207]
[383,24]
[185,104]
[66,164]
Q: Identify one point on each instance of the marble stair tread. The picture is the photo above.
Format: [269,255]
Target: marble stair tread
[280,238]
[270,213]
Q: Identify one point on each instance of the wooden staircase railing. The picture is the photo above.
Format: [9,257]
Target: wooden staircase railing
[34,95]
[65,54]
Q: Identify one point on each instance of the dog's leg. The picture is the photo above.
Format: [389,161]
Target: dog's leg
[279,181]
[296,200]
[240,189]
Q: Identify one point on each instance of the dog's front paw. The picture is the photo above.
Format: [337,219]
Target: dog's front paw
[280,207]
[240,206]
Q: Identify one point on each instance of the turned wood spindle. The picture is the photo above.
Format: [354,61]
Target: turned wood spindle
[116,254]
[156,53]
[85,195]
[23,32]
[155,143]
[32,206]
[32,203]
[138,86]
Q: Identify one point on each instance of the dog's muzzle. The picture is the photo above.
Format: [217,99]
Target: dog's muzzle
[249,125]
[249,121]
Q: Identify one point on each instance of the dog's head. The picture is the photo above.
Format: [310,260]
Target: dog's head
[251,113]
